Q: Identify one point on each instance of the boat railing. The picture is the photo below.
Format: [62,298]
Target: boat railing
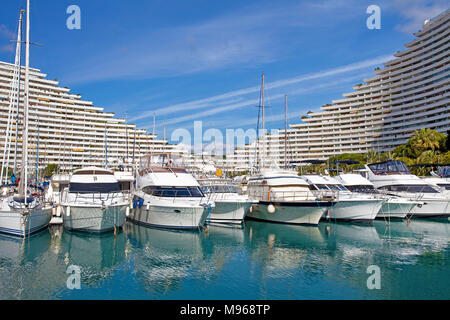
[266,194]
[94,197]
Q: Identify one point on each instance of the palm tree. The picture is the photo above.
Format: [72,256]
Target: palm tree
[425,139]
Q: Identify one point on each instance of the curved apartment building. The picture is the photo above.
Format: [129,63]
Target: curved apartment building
[72,132]
[411,92]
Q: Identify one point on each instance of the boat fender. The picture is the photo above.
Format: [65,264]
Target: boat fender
[135,203]
[271,208]
[141,203]
[127,211]
[148,206]
[68,211]
[251,209]
[58,211]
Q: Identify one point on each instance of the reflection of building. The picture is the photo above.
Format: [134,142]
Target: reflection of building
[71,130]
[411,92]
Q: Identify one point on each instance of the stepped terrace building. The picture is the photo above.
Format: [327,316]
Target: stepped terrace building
[411,92]
[72,132]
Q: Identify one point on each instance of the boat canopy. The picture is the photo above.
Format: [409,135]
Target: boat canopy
[162,160]
[444,171]
[389,167]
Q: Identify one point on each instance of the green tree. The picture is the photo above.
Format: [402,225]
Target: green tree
[423,140]
[50,170]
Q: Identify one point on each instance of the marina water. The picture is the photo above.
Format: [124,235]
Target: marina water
[258,261]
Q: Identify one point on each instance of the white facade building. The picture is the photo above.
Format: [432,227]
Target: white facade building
[73,133]
[411,92]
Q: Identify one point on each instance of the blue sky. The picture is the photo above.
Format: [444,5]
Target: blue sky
[203,60]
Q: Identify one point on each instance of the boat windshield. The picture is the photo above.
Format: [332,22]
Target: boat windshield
[321,187]
[78,187]
[362,189]
[411,188]
[446,186]
[337,187]
[219,189]
[162,160]
[177,192]
[389,167]
[444,172]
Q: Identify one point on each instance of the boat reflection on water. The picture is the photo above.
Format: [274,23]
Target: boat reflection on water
[97,255]
[29,269]
[163,259]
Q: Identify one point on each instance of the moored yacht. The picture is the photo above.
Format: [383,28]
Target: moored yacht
[93,201]
[285,197]
[350,206]
[393,177]
[167,196]
[229,205]
[393,206]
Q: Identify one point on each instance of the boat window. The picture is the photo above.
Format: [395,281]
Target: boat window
[219,189]
[445,186]
[321,187]
[94,187]
[444,172]
[397,167]
[362,189]
[337,187]
[411,188]
[177,192]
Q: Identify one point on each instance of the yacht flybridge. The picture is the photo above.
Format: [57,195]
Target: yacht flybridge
[394,178]
[93,201]
[350,206]
[393,206]
[167,196]
[285,197]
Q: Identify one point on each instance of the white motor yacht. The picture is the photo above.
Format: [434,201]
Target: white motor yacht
[393,177]
[285,197]
[350,206]
[93,201]
[167,196]
[229,205]
[393,206]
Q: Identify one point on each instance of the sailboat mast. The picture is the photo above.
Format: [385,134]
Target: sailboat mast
[285,131]
[24,172]
[18,90]
[262,116]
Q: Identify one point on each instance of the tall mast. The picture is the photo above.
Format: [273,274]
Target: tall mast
[262,113]
[24,172]
[285,131]
[18,91]
[15,85]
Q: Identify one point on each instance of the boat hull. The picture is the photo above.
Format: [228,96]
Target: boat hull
[13,223]
[431,209]
[354,210]
[93,218]
[306,213]
[170,217]
[395,209]
[229,212]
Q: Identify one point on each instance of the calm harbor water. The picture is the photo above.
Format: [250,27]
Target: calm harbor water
[258,261]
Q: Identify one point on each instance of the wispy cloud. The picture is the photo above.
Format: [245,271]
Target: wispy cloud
[251,36]
[417,11]
[216,102]
[6,33]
